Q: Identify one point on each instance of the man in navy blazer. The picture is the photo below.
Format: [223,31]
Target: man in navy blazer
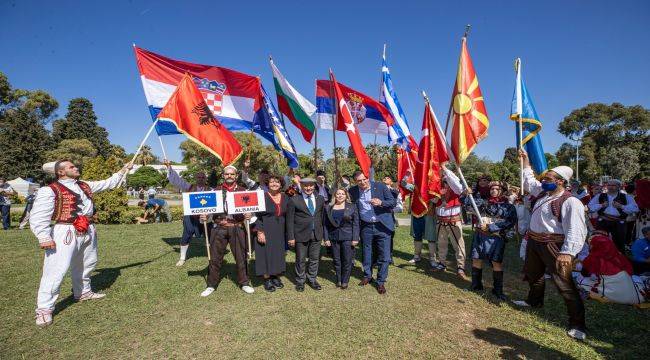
[375,204]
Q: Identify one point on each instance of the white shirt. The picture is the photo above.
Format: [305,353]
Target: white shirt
[313,199]
[4,196]
[181,184]
[630,208]
[41,215]
[542,220]
[457,188]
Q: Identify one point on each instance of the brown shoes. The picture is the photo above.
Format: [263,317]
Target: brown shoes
[365,282]
[381,289]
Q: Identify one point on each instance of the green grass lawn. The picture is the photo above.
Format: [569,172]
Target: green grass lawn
[153,310]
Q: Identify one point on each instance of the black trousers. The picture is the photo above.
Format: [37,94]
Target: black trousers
[541,257]
[617,229]
[309,249]
[220,237]
[343,253]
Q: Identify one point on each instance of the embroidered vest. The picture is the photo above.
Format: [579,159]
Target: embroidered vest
[620,198]
[556,204]
[67,203]
[451,199]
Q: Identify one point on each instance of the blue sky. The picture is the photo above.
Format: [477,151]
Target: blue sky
[574,53]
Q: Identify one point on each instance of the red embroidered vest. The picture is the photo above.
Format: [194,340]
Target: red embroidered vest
[67,203]
[450,199]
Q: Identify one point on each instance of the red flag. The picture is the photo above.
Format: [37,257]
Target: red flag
[248,198]
[432,154]
[187,109]
[406,161]
[345,117]
[470,117]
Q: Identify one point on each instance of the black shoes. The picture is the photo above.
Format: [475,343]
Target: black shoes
[315,285]
[269,286]
[277,282]
[300,288]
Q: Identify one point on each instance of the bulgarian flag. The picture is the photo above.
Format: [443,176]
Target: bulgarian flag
[293,105]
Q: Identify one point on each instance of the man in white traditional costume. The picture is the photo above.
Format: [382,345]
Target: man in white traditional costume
[556,234]
[71,242]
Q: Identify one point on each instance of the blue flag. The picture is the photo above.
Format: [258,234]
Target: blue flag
[523,108]
[271,127]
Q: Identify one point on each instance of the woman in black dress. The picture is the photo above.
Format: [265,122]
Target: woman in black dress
[270,246]
[341,223]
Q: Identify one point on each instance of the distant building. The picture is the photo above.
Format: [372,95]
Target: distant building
[161,168]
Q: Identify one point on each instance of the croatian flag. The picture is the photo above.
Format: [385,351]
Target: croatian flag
[233,97]
[369,115]
[399,133]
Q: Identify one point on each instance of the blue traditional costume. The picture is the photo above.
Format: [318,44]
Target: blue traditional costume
[489,241]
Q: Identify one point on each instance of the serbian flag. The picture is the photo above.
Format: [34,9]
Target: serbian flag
[368,114]
[189,113]
[470,123]
[432,154]
[345,119]
[234,97]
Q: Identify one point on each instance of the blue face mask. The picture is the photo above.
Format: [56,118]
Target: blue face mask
[549,186]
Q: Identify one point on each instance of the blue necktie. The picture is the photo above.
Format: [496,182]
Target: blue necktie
[310,205]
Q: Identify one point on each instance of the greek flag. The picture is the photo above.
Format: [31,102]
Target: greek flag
[399,132]
[271,124]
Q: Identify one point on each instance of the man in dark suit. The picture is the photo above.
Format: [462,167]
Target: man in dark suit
[322,189]
[305,232]
[375,204]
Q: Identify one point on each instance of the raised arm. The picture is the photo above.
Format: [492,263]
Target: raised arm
[531,184]
[112,182]
[453,181]
[177,180]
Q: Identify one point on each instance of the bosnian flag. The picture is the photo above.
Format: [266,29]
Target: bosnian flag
[234,97]
[399,133]
[369,115]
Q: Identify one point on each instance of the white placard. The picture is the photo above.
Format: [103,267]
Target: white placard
[239,202]
[202,202]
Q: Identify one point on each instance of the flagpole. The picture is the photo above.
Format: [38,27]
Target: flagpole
[451,103]
[334,125]
[317,125]
[162,147]
[137,152]
[521,128]
[451,155]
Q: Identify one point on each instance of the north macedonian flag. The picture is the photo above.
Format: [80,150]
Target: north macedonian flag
[188,110]
[470,123]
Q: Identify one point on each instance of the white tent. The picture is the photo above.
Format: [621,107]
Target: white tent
[23,187]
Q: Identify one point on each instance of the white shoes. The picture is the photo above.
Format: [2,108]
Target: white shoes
[43,318]
[180,262]
[521,303]
[207,291]
[89,295]
[248,289]
[415,259]
[577,334]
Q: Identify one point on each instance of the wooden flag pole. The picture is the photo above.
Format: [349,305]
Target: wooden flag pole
[451,155]
[247,225]
[207,238]
[153,126]
[163,148]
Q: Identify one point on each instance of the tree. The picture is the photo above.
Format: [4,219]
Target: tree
[145,176]
[81,123]
[23,137]
[146,156]
[111,205]
[602,128]
[79,151]
[621,163]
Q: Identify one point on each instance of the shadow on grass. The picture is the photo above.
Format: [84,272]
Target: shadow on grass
[516,347]
[103,279]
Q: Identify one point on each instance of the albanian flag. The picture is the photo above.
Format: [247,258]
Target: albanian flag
[188,110]
[470,123]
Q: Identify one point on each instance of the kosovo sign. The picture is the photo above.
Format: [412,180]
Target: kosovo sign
[240,202]
[202,202]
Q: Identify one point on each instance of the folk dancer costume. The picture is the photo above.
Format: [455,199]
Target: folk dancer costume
[228,229]
[450,223]
[557,226]
[191,223]
[611,218]
[489,243]
[69,204]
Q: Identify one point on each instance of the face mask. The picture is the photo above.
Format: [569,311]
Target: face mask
[549,186]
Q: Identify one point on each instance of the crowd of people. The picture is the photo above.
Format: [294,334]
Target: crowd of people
[575,236]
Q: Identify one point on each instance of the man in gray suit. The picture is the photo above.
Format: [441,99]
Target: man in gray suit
[304,221]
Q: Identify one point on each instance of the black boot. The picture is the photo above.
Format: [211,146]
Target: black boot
[477,279]
[497,288]
[268,285]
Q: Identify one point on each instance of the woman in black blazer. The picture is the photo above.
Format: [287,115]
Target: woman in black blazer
[341,232]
